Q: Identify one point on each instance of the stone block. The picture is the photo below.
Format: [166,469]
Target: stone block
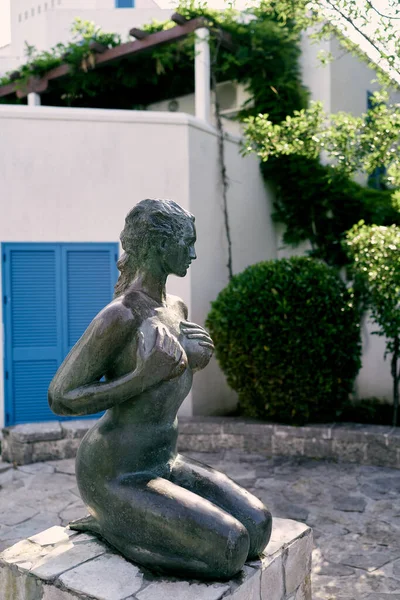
[246,426]
[355,452]
[394,437]
[77,429]
[59,564]
[182,590]
[19,453]
[283,445]
[5,451]
[37,432]
[24,555]
[304,591]
[53,593]
[200,425]
[108,577]
[194,443]
[320,431]
[210,442]
[258,438]
[272,580]
[19,586]
[284,531]
[65,557]
[298,562]
[358,432]
[54,450]
[53,535]
[249,587]
[318,448]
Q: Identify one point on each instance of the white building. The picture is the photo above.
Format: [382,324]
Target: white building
[69,176]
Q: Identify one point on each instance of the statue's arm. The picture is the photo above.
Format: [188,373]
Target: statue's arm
[76,388]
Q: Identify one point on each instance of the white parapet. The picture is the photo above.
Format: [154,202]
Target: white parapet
[61,564]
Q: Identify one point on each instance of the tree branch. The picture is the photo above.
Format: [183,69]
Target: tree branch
[379,13]
[351,22]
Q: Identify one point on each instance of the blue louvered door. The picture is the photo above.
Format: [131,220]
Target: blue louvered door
[51,292]
[33,336]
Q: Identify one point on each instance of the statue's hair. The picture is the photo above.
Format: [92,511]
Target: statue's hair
[146,225]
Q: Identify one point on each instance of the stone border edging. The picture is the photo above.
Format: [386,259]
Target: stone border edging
[346,442]
[37,442]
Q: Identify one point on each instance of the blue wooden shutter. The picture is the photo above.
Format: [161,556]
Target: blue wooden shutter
[51,293]
[90,276]
[33,335]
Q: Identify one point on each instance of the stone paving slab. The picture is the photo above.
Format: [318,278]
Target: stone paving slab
[354,511]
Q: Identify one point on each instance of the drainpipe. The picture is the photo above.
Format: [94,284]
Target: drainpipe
[202,75]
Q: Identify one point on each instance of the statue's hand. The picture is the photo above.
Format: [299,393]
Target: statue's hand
[195,332]
[162,359]
[202,338]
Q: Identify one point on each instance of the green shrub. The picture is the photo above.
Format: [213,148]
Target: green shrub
[288,340]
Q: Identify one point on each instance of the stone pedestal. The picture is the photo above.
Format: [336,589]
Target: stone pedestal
[61,564]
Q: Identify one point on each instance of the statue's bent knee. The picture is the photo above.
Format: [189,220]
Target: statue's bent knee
[232,556]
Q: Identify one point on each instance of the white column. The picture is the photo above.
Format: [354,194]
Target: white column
[33,99]
[202,75]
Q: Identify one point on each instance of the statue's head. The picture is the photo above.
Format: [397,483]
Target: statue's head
[158,235]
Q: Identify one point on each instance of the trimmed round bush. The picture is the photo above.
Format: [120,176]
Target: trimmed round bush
[288,340]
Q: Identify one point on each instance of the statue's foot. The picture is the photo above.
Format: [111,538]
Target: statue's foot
[87,523]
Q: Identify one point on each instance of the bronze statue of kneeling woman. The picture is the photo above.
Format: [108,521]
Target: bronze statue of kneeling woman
[136,361]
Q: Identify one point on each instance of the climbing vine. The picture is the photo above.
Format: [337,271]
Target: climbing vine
[264,58]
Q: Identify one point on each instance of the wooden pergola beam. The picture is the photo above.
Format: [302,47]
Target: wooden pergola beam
[139,34]
[118,53]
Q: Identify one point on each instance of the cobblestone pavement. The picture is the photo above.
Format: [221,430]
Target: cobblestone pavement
[354,512]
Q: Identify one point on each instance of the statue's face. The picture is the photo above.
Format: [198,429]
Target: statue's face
[178,253]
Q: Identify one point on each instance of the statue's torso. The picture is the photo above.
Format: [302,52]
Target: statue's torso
[140,434]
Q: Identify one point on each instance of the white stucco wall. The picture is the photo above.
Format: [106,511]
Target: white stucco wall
[315,76]
[252,234]
[71,175]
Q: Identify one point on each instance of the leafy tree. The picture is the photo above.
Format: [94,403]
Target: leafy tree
[375,253]
[351,144]
[368,28]
[320,202]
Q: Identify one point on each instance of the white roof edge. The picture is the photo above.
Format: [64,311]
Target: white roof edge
[57,113]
